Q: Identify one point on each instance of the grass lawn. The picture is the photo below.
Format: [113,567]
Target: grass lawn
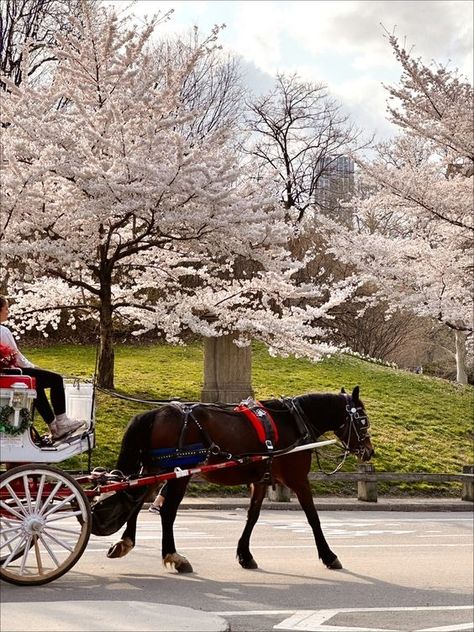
[419,423]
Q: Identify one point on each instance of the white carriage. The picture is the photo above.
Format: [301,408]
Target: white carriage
[45,516]
[17,394]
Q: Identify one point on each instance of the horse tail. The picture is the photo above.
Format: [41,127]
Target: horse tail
[135,441]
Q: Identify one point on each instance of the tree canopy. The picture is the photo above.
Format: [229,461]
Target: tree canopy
[115,210]
[414,232]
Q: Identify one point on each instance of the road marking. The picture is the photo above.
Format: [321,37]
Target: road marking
[301,546]
[451,628]
[316,620]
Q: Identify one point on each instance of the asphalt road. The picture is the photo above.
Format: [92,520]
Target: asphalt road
[402,571]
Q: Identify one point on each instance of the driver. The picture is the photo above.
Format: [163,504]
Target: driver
[54,413]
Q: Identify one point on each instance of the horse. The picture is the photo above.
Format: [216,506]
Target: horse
[227,433]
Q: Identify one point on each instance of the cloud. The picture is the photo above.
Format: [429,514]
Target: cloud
[364,99]
[340,43]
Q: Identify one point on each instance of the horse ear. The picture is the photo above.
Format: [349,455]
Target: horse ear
[355,394]
[343,390]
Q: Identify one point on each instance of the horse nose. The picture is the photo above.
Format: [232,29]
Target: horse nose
[369,452]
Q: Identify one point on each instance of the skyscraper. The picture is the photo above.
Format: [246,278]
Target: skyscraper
[336,183]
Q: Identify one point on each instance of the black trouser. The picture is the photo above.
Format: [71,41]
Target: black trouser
[53,381]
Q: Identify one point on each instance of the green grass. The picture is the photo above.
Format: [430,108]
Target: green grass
[419,423]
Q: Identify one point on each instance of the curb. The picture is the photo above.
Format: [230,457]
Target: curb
[331,504]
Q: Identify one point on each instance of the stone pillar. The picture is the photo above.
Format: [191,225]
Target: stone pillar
[280,494]
[468,486]
[227,371]
[367,490]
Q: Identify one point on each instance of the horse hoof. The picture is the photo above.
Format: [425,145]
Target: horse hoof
[180,563]
[120,548]
[335,565]
[184,567]
[250,564]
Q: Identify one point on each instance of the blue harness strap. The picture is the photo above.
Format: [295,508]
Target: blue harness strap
[191,454]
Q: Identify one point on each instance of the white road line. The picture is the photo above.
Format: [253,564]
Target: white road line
[445,535]
[306,546]
[451,628]
[254,613]
[279,519]
[314,620]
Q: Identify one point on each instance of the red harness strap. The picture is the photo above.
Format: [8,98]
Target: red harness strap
[262,422]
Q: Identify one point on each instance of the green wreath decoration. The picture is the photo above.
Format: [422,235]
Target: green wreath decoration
[5,425]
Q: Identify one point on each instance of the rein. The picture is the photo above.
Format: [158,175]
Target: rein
[356,419]
[302,421]
[345,454]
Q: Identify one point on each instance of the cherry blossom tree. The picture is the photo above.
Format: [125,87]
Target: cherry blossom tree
[112,210]
[36,22]
[414,232]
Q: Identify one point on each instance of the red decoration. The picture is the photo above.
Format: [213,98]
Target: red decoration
[7,357]
[257,422]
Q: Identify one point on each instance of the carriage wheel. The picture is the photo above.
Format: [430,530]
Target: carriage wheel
[45,524]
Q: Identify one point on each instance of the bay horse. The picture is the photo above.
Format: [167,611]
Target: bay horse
[225,434]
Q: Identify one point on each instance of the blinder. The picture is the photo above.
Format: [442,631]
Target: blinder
[356,423]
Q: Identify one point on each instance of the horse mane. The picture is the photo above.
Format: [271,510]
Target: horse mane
[318,397]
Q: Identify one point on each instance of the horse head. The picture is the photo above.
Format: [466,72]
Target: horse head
[354,431]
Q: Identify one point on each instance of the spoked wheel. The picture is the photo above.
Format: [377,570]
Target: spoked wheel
[45,524]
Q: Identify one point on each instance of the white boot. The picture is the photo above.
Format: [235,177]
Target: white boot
[63,426]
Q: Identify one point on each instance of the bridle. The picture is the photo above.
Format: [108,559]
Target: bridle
[357,424]
[355,420]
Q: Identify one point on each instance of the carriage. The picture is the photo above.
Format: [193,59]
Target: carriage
[47,515]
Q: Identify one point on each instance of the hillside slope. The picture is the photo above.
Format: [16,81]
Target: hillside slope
[419,423]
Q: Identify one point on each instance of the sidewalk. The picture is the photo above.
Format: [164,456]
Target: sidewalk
[333,503]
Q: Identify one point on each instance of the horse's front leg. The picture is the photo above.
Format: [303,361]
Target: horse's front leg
[305,497]
[244,555]
[175,490]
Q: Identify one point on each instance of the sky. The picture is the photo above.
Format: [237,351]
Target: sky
[340,43]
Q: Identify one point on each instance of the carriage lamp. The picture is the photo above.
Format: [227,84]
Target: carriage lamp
[18,400]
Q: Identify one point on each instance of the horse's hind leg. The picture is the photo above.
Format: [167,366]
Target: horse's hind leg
[244,555]
[305,497]
[127,541]
[175,491]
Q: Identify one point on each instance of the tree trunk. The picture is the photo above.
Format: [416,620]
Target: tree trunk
[105,377]
[227,371]
[228,378]
[461,372]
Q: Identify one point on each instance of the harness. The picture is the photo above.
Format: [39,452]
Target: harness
[258,416]
[299,416]
[261,420]
[355,420]
[191,454]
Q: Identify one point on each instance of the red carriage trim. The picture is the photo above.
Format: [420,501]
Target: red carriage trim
[262,422]
[6,381]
